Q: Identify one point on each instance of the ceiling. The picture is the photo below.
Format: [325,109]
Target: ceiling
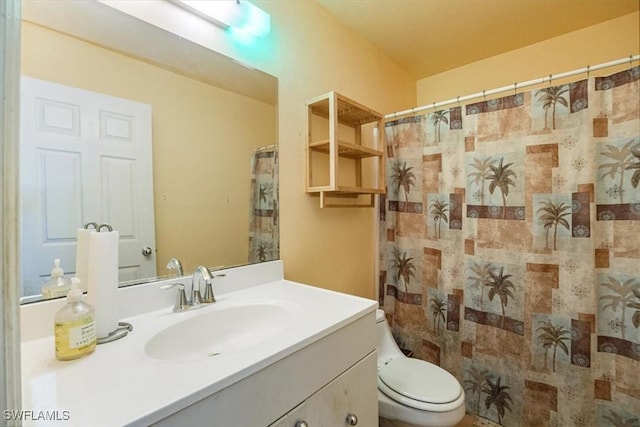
[427,37]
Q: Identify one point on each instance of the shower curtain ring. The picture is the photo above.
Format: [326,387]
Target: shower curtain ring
[588,67]
[515,88]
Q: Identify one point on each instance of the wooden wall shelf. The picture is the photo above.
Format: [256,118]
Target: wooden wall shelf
[343,115]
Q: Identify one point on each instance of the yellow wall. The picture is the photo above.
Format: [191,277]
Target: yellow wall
[608,41]
[312,54]
[201,211]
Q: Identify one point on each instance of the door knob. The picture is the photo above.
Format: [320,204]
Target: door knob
[147,251]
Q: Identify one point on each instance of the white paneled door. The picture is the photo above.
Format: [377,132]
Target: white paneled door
[84,157]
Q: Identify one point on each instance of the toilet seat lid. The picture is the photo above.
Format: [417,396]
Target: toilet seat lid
[420,381]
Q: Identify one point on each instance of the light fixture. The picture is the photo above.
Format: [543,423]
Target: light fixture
[239,17]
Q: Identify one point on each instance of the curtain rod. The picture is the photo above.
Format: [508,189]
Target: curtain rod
[516,86]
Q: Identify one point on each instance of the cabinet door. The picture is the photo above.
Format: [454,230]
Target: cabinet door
[352,394]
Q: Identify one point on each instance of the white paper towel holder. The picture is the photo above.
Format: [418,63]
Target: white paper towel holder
[123,327]
[121,331]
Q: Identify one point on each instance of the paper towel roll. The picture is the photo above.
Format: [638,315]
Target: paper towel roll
[82,256]
[102,280]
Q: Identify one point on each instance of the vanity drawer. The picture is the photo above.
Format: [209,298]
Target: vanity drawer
[350,399]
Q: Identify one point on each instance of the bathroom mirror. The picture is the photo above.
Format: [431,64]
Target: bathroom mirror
[212,117]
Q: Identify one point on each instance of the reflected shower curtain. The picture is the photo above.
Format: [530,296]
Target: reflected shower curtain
[510,250]
[263,221]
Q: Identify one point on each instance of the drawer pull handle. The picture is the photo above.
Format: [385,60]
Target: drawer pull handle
[352,420]
[301,423]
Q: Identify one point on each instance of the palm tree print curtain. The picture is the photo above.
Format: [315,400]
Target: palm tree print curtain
[510,250]
[263,216]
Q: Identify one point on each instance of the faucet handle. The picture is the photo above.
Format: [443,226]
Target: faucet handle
[208,290]
[182,303]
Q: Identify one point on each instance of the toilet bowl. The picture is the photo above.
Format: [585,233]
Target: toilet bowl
[413,392]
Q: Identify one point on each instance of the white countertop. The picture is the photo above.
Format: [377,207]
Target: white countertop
[119,384]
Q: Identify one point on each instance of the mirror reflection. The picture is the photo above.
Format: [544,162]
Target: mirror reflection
[204,190]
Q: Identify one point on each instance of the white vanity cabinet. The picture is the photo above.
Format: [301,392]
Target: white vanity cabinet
[321,384]
[349,400]
[318,366]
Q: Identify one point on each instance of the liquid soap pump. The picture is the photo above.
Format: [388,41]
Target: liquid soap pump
[58,285]
[75,331]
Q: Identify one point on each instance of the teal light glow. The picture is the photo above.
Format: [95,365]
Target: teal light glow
[245,22]
[255,23]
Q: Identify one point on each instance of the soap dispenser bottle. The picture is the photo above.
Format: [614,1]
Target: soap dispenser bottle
[75,332]
[58,285]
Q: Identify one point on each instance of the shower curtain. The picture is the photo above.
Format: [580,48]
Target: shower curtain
[263,217]
[510,250]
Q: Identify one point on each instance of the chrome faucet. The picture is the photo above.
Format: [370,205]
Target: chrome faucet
[201,274]
[175,264]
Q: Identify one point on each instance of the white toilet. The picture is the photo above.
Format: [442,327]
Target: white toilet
[412,392]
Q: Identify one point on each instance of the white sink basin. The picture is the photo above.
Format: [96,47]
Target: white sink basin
[221,331]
